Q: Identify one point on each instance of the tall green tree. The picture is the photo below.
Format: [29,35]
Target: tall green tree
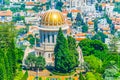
[59,5]
[7,2]
[72,48]
[78,17]
[100,8]
[90,76]
[64,61]
[96,6]
[30,61]
[36,8]
[99,1]
[40,63]
[7,50]
[22,7]
[2,73]
[79,20]
[70,16]
[95,64]
[113,44]
[81,76]
[96,25]
[84,28]
[109,21]
[99,36]
[92,46]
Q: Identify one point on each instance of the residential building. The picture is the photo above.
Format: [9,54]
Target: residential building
[29,5]
[103,26]
[5,16]
[32,20]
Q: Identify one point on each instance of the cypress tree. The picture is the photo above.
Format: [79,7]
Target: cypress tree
[7,50]
[78,17]
[64,61]
[2,66]
[72,49]
[1,72]
[81,76]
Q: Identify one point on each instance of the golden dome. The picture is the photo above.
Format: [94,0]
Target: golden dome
[53,18]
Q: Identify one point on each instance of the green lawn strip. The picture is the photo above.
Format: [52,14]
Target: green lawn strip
[63,74]
[53,78]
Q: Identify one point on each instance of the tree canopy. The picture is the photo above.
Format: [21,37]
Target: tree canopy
[85,28]
[99,36]
[72,48]
[91,46]
[34,62]
[59,5]
[40,63]
[94,63]
[65,61]
[8,55]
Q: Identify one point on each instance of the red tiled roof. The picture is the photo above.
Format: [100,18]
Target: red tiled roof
[43,1]
[80,34]
[90,22]
[79,39]
[65,12]
[103,4]
[19,27]
[106,28]
[106,33]
[117,27]
[69,22]
[29,3]
[75,11]
[68,31]
[6,13]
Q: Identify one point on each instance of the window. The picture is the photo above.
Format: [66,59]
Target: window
[41,37]
[48,38]
[40,54]
[44,37]
[53,39]
[78,3]
[48,55]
